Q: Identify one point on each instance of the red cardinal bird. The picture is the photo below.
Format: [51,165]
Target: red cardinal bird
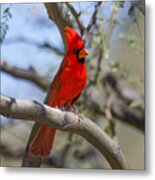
[66,87]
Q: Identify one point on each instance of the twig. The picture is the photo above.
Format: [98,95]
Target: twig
[27,74]
[94,16]
[66,121]
[76,16]
[35,43]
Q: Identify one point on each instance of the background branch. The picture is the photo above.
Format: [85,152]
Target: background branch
[29,74]
[123,92]
[122,98]
[67,121]
[35,43]
[75,14]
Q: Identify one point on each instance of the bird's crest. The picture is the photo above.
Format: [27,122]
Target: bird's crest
[73,39]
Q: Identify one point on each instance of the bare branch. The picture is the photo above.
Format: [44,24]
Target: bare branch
[126,94]
[122,98]
[94,16]
[76,16]
[29,74]
[66,121]
[124,114]
[34,43]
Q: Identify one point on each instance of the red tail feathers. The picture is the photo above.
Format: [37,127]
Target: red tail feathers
[42,143]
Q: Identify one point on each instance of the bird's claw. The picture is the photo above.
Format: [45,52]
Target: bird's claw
[80,117]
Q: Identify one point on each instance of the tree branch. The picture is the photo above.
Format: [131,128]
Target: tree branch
[126,115]
[124,93]
[75,14]
[57,13]
[29,74]
[94,16]
[122,98]
[66,121]
[35,43]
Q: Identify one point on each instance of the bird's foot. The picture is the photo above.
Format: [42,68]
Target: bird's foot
[76,112]
[75,109]
[80,117]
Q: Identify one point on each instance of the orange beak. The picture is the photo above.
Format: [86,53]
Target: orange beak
[83,53]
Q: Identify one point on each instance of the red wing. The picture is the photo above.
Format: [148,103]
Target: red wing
[54,87]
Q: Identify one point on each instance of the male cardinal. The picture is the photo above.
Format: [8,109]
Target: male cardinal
[66,87]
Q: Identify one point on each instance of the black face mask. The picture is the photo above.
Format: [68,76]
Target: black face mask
[76,52]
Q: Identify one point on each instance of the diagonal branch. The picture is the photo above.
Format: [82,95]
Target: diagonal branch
[94,16]
[66,121]
[29,74]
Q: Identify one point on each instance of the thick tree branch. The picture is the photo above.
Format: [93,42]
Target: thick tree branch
[57,13]
[29,74]
[66,121]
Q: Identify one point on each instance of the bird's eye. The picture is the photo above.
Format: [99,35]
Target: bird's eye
[75,51]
